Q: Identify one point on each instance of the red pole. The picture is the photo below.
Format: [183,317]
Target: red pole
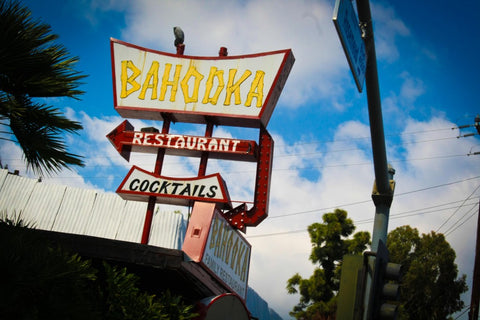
[147,226]
[204,159]
[202,169]
[152,200]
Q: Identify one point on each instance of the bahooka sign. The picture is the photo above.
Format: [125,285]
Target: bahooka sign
[212,242]
[236,90]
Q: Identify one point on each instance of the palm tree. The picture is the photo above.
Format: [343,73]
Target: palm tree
[34,66]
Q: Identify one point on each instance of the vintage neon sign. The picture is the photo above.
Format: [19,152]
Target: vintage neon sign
[140,184]
[235,90]
[225,90]
[211,241]
[124,139]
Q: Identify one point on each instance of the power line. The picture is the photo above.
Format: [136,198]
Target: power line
[458,208]
[321,209]
[365,163]
[370,220]
[449,232]
[461,314]
[276,234]
[368,137]
[460,219]
[411,213]
[366,201]
[369,147]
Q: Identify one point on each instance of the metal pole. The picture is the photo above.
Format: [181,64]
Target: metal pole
[202,169]
[475,297]
[383,195]
[147,225]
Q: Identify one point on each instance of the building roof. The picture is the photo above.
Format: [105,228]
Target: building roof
[86,212]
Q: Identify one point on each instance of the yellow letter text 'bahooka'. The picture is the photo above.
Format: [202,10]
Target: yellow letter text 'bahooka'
[156,84]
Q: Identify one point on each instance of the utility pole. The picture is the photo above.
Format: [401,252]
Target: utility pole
[383,193]
[473,314]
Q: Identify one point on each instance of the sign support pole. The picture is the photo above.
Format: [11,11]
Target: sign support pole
[204,159]
[384,193]
[152,200]
[147,226]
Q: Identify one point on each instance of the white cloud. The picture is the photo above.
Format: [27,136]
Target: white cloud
[387,28]
[12,158]
[402,99]
[411,88]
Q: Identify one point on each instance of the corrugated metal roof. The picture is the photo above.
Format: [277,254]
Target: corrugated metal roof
[106,216]
[162,234]
[89,212]
[43,205]
[132,220]
[15,193]
[74,211]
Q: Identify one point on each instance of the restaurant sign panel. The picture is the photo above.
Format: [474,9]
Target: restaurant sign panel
[125,140]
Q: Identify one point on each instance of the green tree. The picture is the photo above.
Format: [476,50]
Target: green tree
[33,65]
[430,287]
[43,281]
[123,300]
[330,242]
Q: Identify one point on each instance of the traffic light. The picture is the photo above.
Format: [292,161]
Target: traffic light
[385,287]
[351,294]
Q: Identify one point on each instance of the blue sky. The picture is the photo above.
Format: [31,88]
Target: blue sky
[427,53]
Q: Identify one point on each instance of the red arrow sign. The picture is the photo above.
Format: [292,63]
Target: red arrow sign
[125,140]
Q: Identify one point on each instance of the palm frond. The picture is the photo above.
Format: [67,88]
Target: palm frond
[34,65]
[38,130]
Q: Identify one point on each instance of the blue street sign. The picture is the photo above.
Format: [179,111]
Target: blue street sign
[348,29]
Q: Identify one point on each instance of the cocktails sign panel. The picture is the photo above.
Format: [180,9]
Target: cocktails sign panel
[234,90]
[212,242]
[140,184]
